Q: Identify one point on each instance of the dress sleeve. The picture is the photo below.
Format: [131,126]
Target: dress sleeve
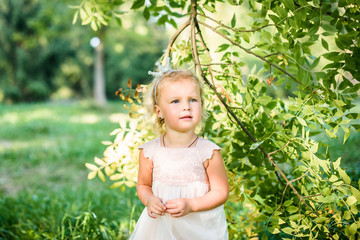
[207,149]
[148,149]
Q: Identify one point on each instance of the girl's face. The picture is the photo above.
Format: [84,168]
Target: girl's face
[179,104]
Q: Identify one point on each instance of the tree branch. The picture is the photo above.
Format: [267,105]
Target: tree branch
[194,24]
[250,52]
[235,29]
[280,148]
[287,184]
[173,39]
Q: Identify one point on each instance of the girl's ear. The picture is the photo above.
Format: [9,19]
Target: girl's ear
[158,111]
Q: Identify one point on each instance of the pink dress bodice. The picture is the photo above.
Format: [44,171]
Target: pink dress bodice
[180,173]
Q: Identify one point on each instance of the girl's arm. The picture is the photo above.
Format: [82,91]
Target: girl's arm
[217,195]
[154,205]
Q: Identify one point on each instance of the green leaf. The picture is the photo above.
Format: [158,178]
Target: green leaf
[268,209]
[276,231]
[326,191]
[295,217]
[353,228]
[344,42]
[339,103]
[288,116]
[146,13]
[344,176]
[75,17]
[233,21]
[301,121]
[308,110]
[281,221]
[336,164]
[289,4]
[162,19]
[287,203]
[330,134]
[321,219]
[329,28]
[93,25]
[138,4]
[294,130]
[224,31]
[256,145]
[315,63]
[91,166]
[347,215]
[222,47]
[209,8]
[325,44]
[264,236]
[292,209]
[346,133]
[92,175]
[101,176]
[333,178]
[351,200]
[117,184]
[332,56]
[355,192]
[287,230]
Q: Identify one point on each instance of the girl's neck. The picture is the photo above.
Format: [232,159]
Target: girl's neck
[179,140]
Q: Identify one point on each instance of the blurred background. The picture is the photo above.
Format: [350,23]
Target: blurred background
[43,56]
[57,104]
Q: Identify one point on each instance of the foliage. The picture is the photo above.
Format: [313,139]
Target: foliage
[284,185]
[32,50]
[43,56]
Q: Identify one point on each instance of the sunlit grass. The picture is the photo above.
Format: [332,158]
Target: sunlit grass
[44,191]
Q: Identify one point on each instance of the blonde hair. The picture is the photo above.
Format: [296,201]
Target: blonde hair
[153,95]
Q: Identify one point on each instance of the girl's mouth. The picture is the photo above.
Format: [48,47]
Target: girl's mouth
[186,117]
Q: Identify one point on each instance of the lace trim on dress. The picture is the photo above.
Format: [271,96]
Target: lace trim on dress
[206,149]
[149,148]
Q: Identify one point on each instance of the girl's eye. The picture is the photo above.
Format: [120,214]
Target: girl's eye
[175,101]
[193,100]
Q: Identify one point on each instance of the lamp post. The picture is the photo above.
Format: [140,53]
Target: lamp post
[99,76]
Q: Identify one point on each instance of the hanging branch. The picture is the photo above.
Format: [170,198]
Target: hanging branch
[173,39]
[249,51]
[294,180]
[193,26]
[236,29]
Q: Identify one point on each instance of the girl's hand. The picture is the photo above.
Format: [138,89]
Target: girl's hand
[155,207]
[178,207]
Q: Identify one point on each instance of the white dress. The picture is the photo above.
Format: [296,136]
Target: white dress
[179,173]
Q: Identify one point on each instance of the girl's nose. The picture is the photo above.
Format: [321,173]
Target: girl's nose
[186,106]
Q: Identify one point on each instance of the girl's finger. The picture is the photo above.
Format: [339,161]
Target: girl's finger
[160,208]
[175,215]
[152,215]
[170,205]
[172,211]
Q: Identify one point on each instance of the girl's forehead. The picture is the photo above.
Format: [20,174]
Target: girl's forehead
[169,83]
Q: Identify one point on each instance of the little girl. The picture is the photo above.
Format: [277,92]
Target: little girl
[182,178]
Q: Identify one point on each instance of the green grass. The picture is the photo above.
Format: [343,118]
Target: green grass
[44,191]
